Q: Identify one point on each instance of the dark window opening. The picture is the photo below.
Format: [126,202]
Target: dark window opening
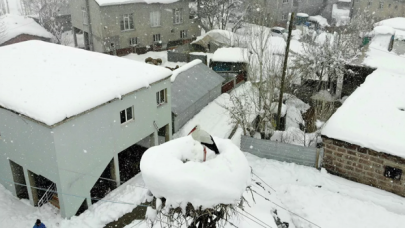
[393,173]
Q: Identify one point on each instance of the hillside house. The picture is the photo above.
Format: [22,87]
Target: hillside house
[19,29]
[194,85]
[380,9]
[119,26]
[77,122]
[364,139]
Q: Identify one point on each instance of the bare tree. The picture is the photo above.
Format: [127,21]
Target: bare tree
[219,14]
[47,12]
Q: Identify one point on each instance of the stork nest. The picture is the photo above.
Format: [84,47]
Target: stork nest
[214,217]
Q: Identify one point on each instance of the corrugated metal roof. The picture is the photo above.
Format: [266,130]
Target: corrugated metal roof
[191,85]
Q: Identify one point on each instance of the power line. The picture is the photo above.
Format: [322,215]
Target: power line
[263,181]
[255,217]
[254,220]
[286,209]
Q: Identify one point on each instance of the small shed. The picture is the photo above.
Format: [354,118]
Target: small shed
[231,64]
[19,28]
[194,85]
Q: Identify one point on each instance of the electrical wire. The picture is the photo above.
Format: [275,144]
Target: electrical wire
[255,221]
[263,181]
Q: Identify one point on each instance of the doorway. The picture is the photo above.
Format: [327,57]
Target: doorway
[19,179]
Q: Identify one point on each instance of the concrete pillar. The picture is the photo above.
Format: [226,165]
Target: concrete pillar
[88,200]
[155,138]
[116,173]
[28,182]
[74,36]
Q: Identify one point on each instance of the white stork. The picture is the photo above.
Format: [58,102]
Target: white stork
[205,139]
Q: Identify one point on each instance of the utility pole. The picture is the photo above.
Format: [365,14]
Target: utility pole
[287,50]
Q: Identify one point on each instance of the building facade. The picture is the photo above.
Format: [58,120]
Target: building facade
[381,9]
[82,157]
[119,27]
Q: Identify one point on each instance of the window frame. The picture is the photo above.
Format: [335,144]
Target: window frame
[85,17]
[155,36]
[126,115]
[131,43]
[159,101]
[155,19]
[126,21]
[178,16]
[183,34]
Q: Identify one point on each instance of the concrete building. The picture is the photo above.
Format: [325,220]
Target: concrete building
[73,118]
[380,9]
[119,26]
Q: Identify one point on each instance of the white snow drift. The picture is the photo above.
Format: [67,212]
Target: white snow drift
[174,171]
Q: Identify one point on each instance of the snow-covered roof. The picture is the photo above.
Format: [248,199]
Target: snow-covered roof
[192,82]
[120,2]
[223,37]
[16,25]
[396,23]
[232,55]
[302,15]
[373,116]
[320,20]
[50,82]
[341,16]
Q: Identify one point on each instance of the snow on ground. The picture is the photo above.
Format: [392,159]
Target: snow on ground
[68,40]
[154,54]
[326,200]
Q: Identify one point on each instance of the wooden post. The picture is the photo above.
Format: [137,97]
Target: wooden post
[287,50]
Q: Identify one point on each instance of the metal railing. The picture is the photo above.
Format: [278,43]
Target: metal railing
[47,195]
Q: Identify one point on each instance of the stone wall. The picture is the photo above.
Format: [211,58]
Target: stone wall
[362,165]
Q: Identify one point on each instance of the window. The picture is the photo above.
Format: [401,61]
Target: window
[284,16]
[285,1]
[85,17]
[178,16]
[381,5]
[156,37]
[161,97]
[183,34]
[133,41]
[126,115]
[155,18]
[127,22]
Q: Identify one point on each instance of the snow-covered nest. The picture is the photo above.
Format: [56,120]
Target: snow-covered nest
[50,82]
[396,23]
[323,22]
[120,2]
[230,55]
[373,116]
[175,171]
[184,68]
[15,25]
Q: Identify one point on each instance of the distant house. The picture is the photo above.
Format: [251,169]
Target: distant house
[119,27]
[194,85]
[364,139]
[19,28]
[380,9]
[231,64]
[76,122]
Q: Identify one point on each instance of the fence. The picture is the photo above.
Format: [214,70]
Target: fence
[184,57]
[301,155]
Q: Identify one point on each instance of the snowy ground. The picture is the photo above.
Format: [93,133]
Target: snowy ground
[154,54]
[321,198]
[68,40]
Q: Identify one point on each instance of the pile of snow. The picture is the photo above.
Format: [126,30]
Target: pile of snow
[121,2]
[174,171]
[302,15]
[323,22]
[396,23]
[184,68]
[15,25]
[223,37]
[373,119]
[230,55]
[54,73]
[155,55]
[383,30]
